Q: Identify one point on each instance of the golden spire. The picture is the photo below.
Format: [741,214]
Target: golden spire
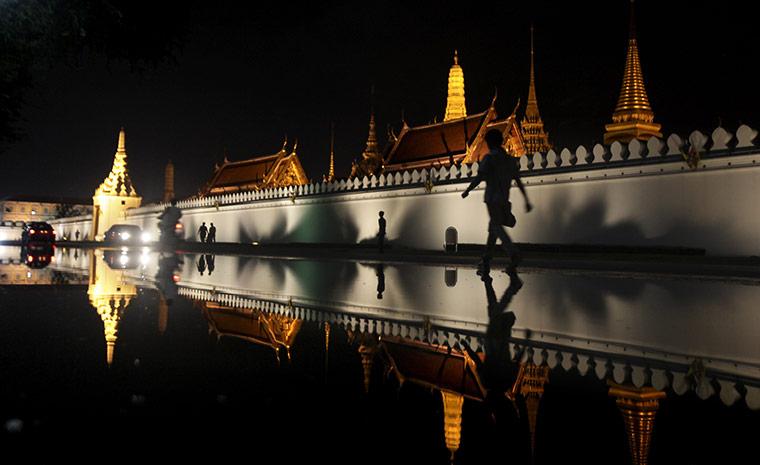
[633,117]
[331,173]
[118,182]
[371,151]
[455,106]
[532,127]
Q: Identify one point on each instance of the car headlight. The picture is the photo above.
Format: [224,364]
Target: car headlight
[125,236]
[124,259]
[145,236]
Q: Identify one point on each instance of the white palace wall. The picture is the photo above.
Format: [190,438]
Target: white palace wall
[637,194]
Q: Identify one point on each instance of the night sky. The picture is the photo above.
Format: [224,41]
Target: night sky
[251,75]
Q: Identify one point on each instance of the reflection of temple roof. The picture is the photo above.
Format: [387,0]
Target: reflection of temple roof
[430,145]
[276,170]
[270,329]
[433,366]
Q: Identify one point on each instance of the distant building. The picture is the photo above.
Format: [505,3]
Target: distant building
[27,208]
[277,170]
[116,194]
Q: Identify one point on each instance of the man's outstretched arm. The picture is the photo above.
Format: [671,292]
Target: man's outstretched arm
[528,206]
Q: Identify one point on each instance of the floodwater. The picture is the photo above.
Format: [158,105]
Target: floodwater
[115,356]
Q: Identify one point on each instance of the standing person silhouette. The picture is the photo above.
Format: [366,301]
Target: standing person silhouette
[498,169]
[202,231]
[381,231]
[211,234]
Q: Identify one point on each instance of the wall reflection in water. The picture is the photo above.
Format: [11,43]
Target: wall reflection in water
[501,346]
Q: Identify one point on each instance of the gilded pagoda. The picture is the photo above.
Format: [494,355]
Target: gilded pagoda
[633,117]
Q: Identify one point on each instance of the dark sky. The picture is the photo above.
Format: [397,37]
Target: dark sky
[250,75]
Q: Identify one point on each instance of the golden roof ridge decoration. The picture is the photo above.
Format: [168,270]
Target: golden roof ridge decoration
[118,182]
[633,118]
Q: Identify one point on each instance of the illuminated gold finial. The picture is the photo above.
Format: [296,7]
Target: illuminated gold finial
[331,172]
[455,104]
[532,127]
[633,117]
[118,181]
[371,151]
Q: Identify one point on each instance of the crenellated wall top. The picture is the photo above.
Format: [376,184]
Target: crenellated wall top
[687,150]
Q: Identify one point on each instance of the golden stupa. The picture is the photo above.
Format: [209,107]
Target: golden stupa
[633,117]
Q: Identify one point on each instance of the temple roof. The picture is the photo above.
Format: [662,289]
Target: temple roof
[422,144]
[424,147]
[433,366]
[274,170]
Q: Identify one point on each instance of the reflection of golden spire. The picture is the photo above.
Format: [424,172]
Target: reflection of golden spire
[532,388]
[371,151]
[163,313]
[633,117]
[452,420]
[536,140]
[368,355]
[110,296]
[455,105]
[638,407]
[118,181]
[327,345]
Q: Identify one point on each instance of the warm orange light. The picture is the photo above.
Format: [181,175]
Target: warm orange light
[29,258]
[178,226]
[31,231]
[176,278]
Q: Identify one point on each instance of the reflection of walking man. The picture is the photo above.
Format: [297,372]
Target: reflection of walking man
[498,169]
[211,234]
[381,231]
[202,231]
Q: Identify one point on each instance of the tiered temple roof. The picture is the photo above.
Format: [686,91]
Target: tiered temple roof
[277,170]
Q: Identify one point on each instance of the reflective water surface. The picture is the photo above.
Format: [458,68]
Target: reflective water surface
[136,354]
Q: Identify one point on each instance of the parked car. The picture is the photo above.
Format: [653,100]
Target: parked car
[37,231]
[126,234]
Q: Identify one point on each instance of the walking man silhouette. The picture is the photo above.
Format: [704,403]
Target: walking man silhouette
[211,234]
[498,169]
[202,231]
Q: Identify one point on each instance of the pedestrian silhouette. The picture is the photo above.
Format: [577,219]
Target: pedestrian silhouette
[77,234]
[210,263]
[500,370]
[380,272]
[202,265]
[202,231]
[498,169]
[211,234]
[381,231]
